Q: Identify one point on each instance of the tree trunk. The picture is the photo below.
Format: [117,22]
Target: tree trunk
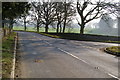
[46,28]
[64,26]
[3,25]
[25,23]
[65,18]
[82,30]
[60,28]
[4,31]
[118,25]
[57,28]
[11,26]
[25,26]
[37,27]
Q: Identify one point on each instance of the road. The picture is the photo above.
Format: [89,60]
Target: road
[45,57]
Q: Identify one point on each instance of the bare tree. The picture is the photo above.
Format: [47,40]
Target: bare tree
[36,14]
[25,15]
[86,13]
[112,8]
[64,13]
[45,12]
[69,12]
[59,14]
[48,14]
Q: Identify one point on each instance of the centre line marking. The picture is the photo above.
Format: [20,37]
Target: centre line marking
[79,59]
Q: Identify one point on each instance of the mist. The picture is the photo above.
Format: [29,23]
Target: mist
[105,26]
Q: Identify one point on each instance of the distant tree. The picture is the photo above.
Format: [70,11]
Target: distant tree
[88,11]
[69,12]
[45,13]
[59,8]
[48,13]
[36,14]
[25,14]
[113,8]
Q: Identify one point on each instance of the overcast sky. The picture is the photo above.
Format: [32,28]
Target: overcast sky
[55,0]
[94,21]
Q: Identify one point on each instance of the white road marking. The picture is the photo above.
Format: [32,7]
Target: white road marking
[87,63]
[47,42]
[81,59]
[72,55]
[14,59]
[113,76]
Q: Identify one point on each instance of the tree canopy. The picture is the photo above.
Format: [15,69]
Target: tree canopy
[11,10]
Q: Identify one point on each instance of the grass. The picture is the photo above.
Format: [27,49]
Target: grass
[86,37]
[53,36]
[77,36]
[71,33]
[114,49]
[113,41]
[67,30]
[7,54]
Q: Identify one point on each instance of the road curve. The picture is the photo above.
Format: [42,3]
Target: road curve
[45,57]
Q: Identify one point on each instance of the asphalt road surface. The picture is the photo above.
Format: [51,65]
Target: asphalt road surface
[45,57]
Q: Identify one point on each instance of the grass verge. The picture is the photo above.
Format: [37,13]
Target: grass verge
[85,37]
[43,33]
[49,35]
[115,50]
[7,54]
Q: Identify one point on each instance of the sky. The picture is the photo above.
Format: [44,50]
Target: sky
[77,16]
[108,32]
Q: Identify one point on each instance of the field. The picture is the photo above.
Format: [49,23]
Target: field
[68,30]
[72,30]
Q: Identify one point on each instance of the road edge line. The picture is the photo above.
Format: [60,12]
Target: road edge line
[14,58]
